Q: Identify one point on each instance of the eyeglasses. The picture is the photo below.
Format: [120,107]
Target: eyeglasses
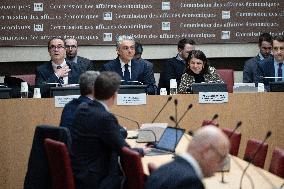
[278,48]
[126,48]
[70,46]
[52,47]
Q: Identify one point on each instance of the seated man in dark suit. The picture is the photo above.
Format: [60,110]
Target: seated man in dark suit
[175,67]
[57,70]
[86,82]
[72,47]
[96,138]
[250,67]
[205,155]
[129,69]
[272,67]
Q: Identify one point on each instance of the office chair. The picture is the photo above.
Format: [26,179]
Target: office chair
[133,169]
[235,139]
[59,164]
[252,146]
[228,77]
[37,175]
[277,162]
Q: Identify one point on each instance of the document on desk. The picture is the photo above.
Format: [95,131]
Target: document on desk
[131,99]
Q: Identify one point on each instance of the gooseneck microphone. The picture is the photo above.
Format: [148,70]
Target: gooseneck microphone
[268,134]
[214,117]
[176,103]
[169,99]
[188,108]
[138,126]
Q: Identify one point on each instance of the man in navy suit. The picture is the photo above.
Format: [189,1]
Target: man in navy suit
[97,139]
[128,68]
[273,67]
[86,82]
[205,155]
[72,48]
[250,67]
[174,67]
[57,70]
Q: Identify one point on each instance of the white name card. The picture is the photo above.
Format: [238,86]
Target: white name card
[60,101]
[213,97]
[131,99]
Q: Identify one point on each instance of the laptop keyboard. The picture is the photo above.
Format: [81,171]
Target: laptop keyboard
[156,151]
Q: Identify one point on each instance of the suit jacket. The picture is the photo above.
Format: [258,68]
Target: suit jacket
[69,110]
[265,69]
[173,69]
[84,64]
[140,71]
[178,174]
[96,144]
[45,74]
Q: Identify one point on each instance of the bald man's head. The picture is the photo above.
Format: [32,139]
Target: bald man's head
[209,146]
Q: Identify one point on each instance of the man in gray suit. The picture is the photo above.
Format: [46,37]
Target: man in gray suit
[205,155]
[250,67]
[71,46]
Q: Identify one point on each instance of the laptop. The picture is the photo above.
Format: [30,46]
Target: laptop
[168,142]
[208,87]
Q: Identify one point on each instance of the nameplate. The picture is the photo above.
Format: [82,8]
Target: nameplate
[61,101]
[131,99]
[213,97]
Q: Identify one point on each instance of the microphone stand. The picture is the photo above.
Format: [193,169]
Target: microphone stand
[169,99]
[268,134]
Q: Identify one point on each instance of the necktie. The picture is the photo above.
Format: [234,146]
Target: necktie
[280,71]
[60,78]
[126,73]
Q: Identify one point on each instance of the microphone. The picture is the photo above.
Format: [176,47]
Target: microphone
[169,99]
[176,103]
[214,117]
[268,134]
[188,108]
[138,126]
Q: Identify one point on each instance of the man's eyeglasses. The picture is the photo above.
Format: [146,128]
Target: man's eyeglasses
[52,47]
[125,48]
[70,46]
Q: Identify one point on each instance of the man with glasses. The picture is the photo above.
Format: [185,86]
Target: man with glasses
[205,155]
[250,67]
[131,71]
[174,67]
[272,70]
[57,70]
[71,46]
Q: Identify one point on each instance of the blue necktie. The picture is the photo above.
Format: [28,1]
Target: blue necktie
[280,71]
[60,78]
[126,73]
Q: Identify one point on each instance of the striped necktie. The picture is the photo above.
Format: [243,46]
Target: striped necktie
[126,73]
[280,71]
[61,81]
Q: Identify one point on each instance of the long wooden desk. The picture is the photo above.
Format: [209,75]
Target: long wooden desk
[255,177]
[259,112]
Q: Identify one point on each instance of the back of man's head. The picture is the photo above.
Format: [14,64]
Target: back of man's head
[210,147]
[87,81]
[106,85]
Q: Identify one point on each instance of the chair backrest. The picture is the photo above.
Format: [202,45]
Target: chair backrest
[235,139]
[59,164]
[209,122]
[277,162]
[29,78]
[228,76]
[133,169]
[152,167]
[37,175]
[251,148]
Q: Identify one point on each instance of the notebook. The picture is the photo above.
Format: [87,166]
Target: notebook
[168,142]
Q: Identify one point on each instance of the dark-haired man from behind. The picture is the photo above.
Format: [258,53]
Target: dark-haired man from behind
[205,155]
[72,48]
[97,139]
[174,67]
[250,67]
[86,83]
[57,70]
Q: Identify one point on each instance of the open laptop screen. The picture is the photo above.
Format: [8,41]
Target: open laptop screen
[170,139]
[208,87]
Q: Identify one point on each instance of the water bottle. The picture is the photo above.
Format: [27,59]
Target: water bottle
[173,87]
[24,90]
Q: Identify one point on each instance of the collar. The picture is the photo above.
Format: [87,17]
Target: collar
[75,59]
[193,163]
[104,105]
[260,56]
[178,57]
[122,63]
[54,66]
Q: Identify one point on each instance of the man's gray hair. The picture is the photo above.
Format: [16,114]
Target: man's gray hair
[122,38]
[87,81]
